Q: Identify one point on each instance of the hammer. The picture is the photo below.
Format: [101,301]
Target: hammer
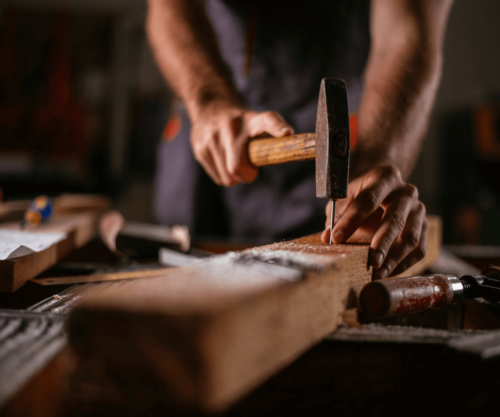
[329,146]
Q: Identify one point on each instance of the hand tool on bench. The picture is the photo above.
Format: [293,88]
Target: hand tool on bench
[329,145]
[391,297]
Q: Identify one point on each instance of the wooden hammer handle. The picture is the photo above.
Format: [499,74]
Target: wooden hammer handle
[271,151]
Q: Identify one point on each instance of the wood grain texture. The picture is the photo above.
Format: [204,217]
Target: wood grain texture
[271,151]
[44,394]
[80,228]
[208,334]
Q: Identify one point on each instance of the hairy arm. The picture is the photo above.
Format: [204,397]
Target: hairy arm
[401,79]
[187,51]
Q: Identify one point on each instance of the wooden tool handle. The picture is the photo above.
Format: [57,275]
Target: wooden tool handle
[271,151]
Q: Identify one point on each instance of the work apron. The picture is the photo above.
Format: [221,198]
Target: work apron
[278,55]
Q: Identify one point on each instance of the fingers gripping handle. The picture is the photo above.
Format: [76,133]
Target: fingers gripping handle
[329,146]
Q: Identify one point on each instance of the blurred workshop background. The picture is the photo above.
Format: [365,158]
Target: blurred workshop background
[83,106]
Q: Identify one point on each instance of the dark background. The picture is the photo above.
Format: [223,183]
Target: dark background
[95,127]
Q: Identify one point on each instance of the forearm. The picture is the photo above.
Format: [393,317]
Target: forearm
[187,51]
[393,117]
[401,81]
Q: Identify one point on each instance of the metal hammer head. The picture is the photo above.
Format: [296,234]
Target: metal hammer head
[332,140]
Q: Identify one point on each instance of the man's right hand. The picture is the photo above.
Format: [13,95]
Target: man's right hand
[220,124]
[219,136]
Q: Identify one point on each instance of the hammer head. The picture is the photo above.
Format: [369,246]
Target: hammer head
[332,140]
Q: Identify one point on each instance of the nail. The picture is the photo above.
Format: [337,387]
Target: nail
[377,258]
[338,237]
[381,273]
[286,131]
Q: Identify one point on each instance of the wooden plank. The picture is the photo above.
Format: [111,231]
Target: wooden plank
[45,394]
[208,334]
[430,258]
[64,204]
[80,228]
[13,210]
[108,276]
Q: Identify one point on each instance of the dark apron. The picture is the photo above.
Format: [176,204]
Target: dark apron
[278,55]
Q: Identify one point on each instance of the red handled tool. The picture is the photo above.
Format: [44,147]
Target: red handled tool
[391,297]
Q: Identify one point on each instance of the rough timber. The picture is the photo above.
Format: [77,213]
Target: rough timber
[208,334]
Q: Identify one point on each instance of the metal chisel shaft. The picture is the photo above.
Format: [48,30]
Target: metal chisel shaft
[332,219]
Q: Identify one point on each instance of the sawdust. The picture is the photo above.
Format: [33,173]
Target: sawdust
[301,259]
[311,246]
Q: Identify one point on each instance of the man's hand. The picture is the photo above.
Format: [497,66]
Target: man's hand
[219,136]
[382,209]
[221,125]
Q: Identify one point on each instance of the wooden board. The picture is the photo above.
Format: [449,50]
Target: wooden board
[104,277]
[80,228]
[64,204]
[205,336]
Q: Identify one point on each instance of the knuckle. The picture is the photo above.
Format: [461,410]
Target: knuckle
[412,191]
[271,114]
[391,263]
[199,150]
[422,210]
[203,141]
[389,171]
[420,252]
[398,220]
[384,244]
[412,239]
[369,199]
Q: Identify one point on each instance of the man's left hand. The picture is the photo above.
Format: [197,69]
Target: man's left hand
[383,210]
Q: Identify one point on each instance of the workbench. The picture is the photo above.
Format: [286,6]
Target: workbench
[361,367]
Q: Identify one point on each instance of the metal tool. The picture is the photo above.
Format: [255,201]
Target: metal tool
[330,145]
[391,297]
